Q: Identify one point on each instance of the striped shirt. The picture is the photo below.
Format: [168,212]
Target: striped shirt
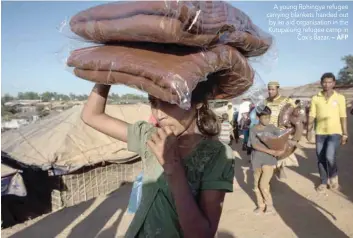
[226,131]
[276,105]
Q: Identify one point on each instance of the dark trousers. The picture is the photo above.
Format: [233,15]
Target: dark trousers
[326,147]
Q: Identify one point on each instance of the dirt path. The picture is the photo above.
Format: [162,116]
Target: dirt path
[301,212]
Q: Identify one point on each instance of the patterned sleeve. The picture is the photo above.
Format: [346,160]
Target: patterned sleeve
[219,174]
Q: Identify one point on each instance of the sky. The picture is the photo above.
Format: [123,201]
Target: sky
[35,45]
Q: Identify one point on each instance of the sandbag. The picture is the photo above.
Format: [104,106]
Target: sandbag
[167,72]
[192,23]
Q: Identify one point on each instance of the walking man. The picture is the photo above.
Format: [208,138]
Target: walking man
[328,110]
[276,102]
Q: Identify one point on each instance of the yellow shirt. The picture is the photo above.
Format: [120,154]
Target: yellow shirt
[328,113]
[276,106]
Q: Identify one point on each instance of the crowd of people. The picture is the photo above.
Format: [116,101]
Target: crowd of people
[327,110]
[188,171]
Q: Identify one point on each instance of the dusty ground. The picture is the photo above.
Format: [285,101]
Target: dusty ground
[301,212]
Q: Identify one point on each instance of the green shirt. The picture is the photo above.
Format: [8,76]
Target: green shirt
[209,167]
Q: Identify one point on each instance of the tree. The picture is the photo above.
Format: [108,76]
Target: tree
[82,97]
[20,96]
[28,96]
[32,96]
[7,98]
[63,97]
[46,96]
[132,97]
[114,96]
[345,75]
[6,115]
[72,96]
[7,112]
[49,96]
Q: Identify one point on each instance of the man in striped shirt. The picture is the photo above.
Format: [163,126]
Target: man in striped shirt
[226,130]
[225,137]
[276,102]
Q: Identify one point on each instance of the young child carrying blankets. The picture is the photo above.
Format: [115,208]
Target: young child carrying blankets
[186,172]
[263,161]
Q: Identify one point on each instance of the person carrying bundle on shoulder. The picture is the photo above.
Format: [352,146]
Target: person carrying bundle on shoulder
[263,161]
[186,171]
[276,102]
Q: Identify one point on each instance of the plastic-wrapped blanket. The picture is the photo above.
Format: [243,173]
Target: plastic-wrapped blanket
[167,72]
[190,23]
[293,120]
[279,141]
[166,48]
[275,141]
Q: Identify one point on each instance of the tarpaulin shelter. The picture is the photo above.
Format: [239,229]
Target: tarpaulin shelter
[82,163]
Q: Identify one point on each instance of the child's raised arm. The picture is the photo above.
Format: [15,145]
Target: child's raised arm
[93,114]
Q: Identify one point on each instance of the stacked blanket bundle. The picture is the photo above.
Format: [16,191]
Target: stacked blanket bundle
[275,141]
[292,121]
[167,48]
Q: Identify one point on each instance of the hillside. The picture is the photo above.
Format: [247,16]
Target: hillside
[308,90]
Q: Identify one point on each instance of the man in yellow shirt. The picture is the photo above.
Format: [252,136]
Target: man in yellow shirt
[276,102]
[328,110]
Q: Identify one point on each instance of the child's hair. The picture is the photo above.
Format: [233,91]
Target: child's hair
[263,112]
[225,117]
[207,121]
